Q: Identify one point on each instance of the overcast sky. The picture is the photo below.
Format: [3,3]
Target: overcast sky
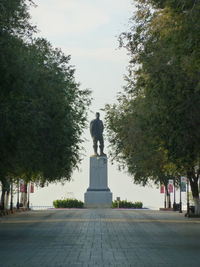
[88,31]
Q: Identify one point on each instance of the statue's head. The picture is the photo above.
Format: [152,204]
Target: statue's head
[97,115]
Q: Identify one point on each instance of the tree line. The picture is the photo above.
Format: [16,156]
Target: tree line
[42,108]
[154,128]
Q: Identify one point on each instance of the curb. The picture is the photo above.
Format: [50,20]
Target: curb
[9,212]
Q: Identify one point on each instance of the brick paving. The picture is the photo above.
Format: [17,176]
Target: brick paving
[89,237]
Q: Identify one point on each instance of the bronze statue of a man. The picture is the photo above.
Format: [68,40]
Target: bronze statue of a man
[96,131]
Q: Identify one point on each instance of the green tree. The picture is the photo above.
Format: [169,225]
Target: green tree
[14,23]
[15,18]
[42,108]
[134,145]
[164,48]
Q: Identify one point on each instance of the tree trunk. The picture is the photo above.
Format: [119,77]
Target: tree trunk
[168,197]
[197,206]
[6,203]
[195,190]
[169,204]
[2,206]
[23,200]
[5,191]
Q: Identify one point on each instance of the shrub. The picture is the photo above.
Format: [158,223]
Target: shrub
[127,204]
[67,203]
[138,205]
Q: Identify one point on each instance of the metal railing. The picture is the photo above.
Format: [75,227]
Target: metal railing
[41,207]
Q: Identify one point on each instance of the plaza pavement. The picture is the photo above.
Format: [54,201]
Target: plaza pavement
[101,237]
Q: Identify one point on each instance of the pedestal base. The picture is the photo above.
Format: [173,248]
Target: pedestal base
[98,199]
[98,194]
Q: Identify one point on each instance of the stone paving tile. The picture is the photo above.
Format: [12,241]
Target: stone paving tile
[99,238]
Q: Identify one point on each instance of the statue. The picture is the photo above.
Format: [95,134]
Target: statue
[96,131]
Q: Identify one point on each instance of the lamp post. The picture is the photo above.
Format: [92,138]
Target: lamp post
[28,195]
[180,204]
[18,194]
[188,201]
[174,205]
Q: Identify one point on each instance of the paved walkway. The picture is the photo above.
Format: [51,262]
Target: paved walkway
[99,237]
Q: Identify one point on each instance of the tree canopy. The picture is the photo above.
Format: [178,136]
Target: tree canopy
[162,107]
[43,111]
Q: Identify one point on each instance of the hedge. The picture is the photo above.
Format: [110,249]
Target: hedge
[127,204]
[67,203]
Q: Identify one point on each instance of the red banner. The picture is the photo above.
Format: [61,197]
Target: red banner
[162,189]
[32,188]
[22,187]
[170,186]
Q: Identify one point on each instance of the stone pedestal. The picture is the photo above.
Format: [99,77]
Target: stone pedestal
[98,194]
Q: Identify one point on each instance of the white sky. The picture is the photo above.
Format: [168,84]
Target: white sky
[88,31]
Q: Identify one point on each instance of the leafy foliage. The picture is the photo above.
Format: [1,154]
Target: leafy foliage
[127,204]
[68,203]
[154,128]
[42,108]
